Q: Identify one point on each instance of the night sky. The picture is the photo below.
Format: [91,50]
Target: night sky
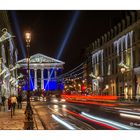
[49,28]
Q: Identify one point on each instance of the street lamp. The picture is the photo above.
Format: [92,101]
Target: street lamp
[28,124]
[123,71]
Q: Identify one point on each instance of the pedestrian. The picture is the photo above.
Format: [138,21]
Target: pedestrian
[9,103]
[0,103]
[13,103]
[3,100]
[19,101]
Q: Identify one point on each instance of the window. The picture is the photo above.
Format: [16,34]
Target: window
[134,58]
[112,48]
[112,67]
[134,37]
[123,44]
[128,41]
[116,65]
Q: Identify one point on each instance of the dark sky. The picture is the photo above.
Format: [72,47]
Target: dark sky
[49,27]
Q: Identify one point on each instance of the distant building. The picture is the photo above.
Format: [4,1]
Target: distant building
[115,59]
[44,71]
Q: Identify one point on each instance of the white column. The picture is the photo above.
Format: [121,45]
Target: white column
[48,74]
[42,79]
[126,42]
[118,48]
[97,57]
[35,79]
[48,77]
[55,73]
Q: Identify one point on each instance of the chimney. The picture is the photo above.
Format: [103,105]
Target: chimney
[103,40]
[105,37]
[98,42]
[115,30]
[132,17]
[123,24]
[112,33]
[127,20]
[108,35]
[119,27]
[93,45]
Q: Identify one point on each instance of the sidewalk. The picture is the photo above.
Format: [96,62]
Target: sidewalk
[17,121]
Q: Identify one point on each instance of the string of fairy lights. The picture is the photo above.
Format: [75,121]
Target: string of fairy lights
[75,73]
[77,77]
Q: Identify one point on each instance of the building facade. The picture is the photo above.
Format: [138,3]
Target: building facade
[8,58]
[116,59]
[44,71]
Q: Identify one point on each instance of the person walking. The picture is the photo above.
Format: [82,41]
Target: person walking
[9,103]
[19,101]
[0,102]
[13,103]
[3,100]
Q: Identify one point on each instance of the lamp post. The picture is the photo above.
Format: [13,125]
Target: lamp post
[123,71]
[28,124]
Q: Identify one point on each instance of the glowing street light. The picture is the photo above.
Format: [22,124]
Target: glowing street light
[123,70]
[28,124]
[28,37]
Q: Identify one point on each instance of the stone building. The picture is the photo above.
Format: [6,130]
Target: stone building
[44,71]
[8,58]
[115,59]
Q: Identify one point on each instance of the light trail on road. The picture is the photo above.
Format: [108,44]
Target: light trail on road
[55,111]
[91,120]
[129,112]
[126,112]
[94,103]
[130,116]
[63,122]
[110,122]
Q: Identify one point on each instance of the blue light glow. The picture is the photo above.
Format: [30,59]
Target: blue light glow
[64,42]
[53,85]
[18,32]
[67,34]
[31,82]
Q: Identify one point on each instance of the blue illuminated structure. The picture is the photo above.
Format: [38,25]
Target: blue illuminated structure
[49,69]
[64,43]
[31,82]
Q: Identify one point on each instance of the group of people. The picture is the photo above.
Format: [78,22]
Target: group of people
[13,101]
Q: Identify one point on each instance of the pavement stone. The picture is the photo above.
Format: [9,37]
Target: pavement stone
[17,121]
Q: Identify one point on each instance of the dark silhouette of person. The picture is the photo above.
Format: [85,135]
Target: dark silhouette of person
[19,101]
[3,100]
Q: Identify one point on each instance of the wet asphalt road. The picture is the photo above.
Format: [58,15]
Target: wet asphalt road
[58,115]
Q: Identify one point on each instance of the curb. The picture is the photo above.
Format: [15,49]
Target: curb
[38,123]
